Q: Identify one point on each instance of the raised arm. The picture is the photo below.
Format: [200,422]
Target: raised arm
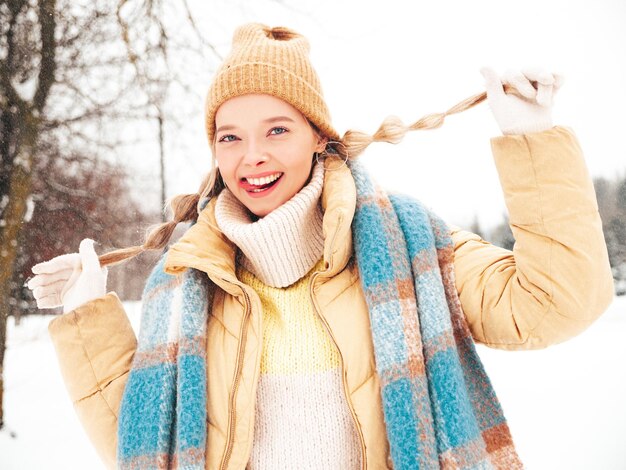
[557,280]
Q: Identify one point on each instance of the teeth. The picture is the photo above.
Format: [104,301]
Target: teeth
[264,180]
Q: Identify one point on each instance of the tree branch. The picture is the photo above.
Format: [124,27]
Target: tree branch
[197,31]
[6,66]
[47,19]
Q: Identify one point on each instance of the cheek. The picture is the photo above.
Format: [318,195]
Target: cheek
[304,167]
[227,169]
[301,160]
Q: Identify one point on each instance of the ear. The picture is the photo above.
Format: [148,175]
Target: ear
[321,144]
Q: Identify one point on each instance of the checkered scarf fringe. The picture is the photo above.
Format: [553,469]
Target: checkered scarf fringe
[439,406]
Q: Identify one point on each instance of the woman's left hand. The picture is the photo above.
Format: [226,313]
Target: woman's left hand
[530,109]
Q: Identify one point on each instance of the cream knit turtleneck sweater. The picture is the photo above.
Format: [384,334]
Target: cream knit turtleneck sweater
[284,245]
[302,418]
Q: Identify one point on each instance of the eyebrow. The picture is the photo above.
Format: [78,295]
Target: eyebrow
[229,127]
[279,118]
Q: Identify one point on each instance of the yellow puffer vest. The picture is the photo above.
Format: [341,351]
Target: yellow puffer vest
[552,286]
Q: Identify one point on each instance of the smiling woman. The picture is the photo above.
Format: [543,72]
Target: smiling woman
[308,319]
[265,158]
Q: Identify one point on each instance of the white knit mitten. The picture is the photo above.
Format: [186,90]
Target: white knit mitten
[69,280]
[532,112]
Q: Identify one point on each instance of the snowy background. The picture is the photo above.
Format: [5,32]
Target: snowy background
[564,404]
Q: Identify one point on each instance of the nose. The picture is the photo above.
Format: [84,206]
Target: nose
[255,154]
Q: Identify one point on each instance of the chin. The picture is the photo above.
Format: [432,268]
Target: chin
[262,207]
[259,213]
[262,211]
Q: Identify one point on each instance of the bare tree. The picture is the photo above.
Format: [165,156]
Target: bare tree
[21,118]
[152,40]
[611,197]
[73,76]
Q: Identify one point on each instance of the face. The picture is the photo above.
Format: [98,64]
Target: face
[264,149]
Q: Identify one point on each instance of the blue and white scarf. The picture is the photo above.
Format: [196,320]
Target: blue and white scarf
[439,406]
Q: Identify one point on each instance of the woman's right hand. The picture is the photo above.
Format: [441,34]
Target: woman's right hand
[529,111]
[69,280]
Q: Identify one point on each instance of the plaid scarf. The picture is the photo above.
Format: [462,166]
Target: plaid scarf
[439,406]
[162,418]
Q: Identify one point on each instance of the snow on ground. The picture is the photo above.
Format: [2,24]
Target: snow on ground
[565,404]
[41,428]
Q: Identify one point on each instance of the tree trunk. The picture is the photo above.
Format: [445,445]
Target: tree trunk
[12,217]
[26,139]
[162,164]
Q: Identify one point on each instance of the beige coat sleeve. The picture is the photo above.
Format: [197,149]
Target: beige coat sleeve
[557,280]
[95,345]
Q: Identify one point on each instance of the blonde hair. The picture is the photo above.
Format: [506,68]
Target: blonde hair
[186,207]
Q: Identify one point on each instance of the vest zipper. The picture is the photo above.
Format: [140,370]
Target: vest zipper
[233,397]
[343,373]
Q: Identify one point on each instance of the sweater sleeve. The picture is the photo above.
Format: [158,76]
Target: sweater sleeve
[95,345]
[557,280]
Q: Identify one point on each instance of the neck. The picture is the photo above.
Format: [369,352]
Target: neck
[283,246]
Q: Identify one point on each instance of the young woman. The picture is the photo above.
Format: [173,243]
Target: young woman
[307,319]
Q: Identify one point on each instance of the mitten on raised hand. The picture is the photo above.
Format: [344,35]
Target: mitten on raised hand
[69,280]
[531,110]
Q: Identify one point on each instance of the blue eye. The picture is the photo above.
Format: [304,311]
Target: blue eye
[278,130]
[227,138]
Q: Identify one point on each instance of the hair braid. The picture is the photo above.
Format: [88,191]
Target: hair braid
[186,207]
[393,130]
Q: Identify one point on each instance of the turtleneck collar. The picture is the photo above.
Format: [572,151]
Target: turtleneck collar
[283,246]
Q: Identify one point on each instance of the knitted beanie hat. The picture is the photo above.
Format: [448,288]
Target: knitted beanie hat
[272,61]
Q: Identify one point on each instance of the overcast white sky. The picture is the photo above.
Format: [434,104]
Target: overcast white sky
[414,58]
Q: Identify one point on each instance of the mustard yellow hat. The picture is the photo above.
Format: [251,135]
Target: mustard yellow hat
[272,61]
